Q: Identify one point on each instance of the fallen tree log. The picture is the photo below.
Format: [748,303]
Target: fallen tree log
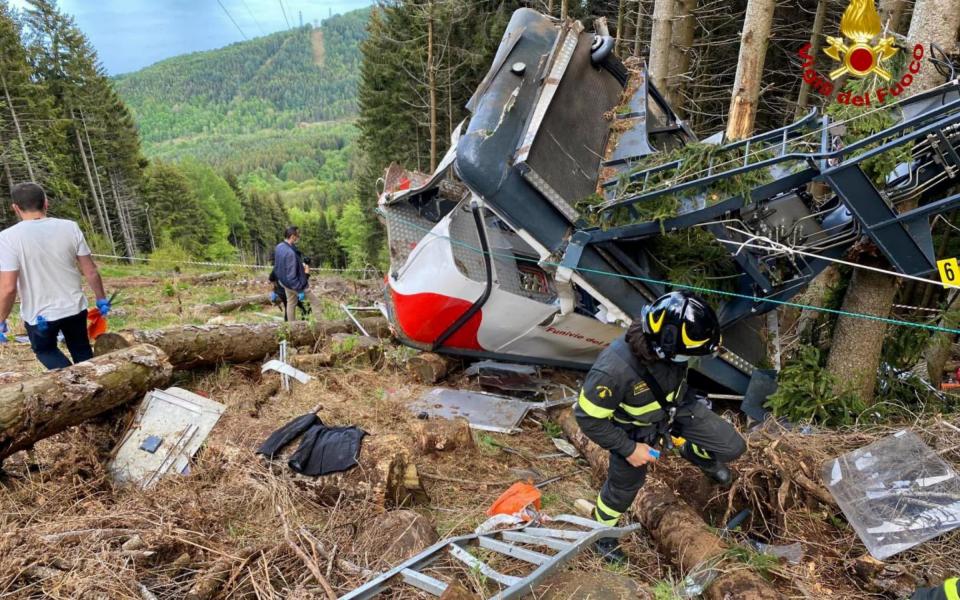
[208,277]
[679,531]
[219,308]
[192,346]
[39,407]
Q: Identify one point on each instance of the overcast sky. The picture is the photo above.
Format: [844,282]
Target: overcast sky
[131,34]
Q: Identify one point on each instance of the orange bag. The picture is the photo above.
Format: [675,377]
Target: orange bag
[517,497]
[96,324]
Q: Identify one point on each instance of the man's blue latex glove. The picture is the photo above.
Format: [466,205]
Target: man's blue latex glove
[301,296]
[3,332]
[273,296]
[103,305]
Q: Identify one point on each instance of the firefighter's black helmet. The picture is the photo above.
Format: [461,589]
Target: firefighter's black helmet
[680,324]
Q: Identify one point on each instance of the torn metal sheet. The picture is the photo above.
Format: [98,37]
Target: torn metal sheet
[487,412]
[167,430]
[508,377]
[896,493]
[285,369]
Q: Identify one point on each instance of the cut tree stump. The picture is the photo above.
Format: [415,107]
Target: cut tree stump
[429,368]
[41,406]
[443,435]
[355,350]
[219,308]
[383,477]
[192,346]
[679,531]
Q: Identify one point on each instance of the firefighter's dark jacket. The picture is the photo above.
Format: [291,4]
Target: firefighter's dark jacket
[616,399]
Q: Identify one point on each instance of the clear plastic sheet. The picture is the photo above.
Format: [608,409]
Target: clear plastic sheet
[896,493]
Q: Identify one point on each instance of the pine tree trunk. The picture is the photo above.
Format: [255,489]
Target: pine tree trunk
[93,188]
[661,37]
[621,18]
[206,345]
[129,241]
[857,343]
[638,30]
[431,88]
[891,14]
[816,37]
[41,406]
[933,22]
[16,126]
[96,173]
[564,9]
[680,533]
[684,33]
[757,24]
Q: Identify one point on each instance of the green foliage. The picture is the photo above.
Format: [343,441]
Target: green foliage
[273,82]
[552,428]
[353,231]
[762,563]
[695,160]
[807,392]
[170,256]
[664,590]
[75,137]
[860,124]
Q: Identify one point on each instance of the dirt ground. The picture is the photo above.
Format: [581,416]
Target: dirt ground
[67,532]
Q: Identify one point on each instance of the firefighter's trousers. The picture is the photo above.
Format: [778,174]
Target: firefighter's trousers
[711,439]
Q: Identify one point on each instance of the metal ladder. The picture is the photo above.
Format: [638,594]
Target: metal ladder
[566,542]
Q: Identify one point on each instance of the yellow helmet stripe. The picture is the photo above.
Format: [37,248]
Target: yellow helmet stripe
[656,325]
[688,341]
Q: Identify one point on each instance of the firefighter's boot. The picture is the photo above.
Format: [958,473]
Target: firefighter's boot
[714,469]
[609,550]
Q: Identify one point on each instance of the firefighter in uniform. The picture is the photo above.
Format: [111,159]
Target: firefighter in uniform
[636,397]
[950,590]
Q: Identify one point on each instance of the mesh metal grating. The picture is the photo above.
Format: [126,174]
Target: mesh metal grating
[405,228]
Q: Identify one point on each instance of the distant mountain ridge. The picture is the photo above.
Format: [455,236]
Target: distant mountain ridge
[276,81]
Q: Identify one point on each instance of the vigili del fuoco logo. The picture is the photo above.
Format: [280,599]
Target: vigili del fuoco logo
[859,57]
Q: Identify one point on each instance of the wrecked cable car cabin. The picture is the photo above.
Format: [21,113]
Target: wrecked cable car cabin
[495,254]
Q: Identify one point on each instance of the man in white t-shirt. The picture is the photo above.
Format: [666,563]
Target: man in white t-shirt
[42,258]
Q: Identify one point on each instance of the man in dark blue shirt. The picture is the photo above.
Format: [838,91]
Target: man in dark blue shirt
[292,273]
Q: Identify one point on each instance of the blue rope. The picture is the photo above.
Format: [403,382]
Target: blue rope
[683,286]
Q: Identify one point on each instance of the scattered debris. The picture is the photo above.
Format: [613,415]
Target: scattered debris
[520,500]
[350,310]
[577,535]
[487,412]
[167,430]
[896,493]
[566,447]
[508,377]
[285,369]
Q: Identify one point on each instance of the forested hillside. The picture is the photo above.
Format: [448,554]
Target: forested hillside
[274,82]
[63,125]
